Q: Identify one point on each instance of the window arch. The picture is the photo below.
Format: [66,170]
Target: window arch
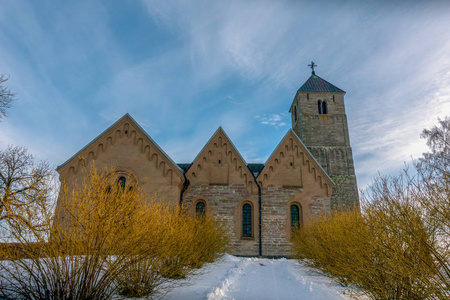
[324,108]
[319,106]
[296,213]
[246,220]
[200,208]
[122,182]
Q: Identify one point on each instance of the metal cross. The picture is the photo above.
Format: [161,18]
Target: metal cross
[312,65]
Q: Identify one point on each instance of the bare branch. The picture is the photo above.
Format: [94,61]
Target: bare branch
[6,96]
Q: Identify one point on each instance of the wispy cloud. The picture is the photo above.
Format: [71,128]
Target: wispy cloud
[183,69]
[277,120]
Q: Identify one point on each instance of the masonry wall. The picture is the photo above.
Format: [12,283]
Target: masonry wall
[276,222]
[224,203]
[127,149]
[327,138]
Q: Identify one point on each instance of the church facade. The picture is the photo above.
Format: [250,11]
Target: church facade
[310,172]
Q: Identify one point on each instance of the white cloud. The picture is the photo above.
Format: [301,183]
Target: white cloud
[275,120]
[221,63]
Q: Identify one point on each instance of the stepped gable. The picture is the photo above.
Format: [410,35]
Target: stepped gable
[317,84]
[292,165]
[124,131]
[220,163]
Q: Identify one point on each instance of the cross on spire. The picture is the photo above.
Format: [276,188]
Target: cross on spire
[312,65]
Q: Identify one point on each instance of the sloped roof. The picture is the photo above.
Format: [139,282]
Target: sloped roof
[184,166]
[317,84]
[255,168]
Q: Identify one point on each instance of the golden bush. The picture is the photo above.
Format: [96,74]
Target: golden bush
[102,239]
[380,253]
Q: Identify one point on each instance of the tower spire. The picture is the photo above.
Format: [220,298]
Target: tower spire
[312,65]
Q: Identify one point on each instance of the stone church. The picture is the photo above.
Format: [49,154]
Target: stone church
[310,171]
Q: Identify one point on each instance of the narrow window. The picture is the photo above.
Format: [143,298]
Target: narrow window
[319,106]
[333,98]
[122,181]
[307,97]
[295,217]
[295,113]
[200,208]
[246,220]
[324,108]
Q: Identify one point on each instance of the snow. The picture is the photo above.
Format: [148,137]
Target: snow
[234,277]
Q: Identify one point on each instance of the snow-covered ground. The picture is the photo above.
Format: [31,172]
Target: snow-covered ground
[234,277]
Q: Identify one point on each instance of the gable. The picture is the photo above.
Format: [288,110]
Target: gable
[122,145]
[219,163]
[292,165]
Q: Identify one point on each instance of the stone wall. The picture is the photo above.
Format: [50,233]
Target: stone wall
[224,203]
[276,223]
[327,138]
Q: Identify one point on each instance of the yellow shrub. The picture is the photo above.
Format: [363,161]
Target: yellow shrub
[104,239]
[380,253]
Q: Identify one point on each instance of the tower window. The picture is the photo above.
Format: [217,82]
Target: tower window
[246,220]
[295,113]
[333,98]
[295,216]
[200,208]
[324,108]
[307,96]
[122,181]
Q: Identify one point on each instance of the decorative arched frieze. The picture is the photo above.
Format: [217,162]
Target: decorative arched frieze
[295,157]
[219,163]
[139,139]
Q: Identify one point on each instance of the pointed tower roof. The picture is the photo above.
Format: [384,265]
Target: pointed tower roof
[317,84]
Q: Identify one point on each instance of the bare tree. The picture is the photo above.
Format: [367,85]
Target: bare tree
[24,184]
[6,96]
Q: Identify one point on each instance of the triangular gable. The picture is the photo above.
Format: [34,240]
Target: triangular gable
[290,163]
[125,126]
[220,163]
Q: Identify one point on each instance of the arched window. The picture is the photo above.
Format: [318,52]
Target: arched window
[295,216]
[295,113]
[246,220]
[122,181]
[319,106]
[324,108]
[200,208]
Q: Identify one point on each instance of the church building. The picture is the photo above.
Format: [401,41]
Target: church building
[310,172]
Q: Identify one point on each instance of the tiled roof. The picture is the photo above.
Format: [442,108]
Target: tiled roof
[184,167]
[317,84]
[255,168]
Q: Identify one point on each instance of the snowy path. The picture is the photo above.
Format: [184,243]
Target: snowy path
[256,278]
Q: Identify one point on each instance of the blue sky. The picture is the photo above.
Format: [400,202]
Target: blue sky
[184,68]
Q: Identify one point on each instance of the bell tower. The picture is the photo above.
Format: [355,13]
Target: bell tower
[319,119]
